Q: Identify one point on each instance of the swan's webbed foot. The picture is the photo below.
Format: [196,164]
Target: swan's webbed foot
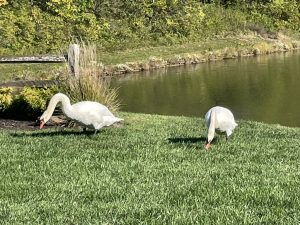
[207,146]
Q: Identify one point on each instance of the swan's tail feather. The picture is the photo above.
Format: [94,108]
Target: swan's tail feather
[109,120]
[118,119]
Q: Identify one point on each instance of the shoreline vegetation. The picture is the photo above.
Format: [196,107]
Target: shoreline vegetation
[193,53]
[141,35]
[143,59]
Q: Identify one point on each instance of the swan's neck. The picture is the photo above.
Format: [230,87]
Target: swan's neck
[66,106]
[212,126]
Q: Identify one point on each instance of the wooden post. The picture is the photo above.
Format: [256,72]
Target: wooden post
[73,59]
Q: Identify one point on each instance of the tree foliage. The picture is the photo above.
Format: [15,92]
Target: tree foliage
[48,25]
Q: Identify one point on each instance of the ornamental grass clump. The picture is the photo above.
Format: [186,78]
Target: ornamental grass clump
[90,81]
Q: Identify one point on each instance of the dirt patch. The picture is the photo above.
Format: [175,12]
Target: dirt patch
[18,124]
[11,124]
[54,122]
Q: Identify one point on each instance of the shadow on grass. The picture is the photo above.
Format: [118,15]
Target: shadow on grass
[56,133]
[191,141]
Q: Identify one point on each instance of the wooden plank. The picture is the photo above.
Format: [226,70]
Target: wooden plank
[73,59]
[34,59]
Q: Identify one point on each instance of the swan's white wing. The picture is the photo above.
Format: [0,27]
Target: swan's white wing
[95,107]
[225,119]
[93,114]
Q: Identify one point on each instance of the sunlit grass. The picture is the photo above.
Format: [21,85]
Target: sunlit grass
[35,71]
[166,52]
[151,170]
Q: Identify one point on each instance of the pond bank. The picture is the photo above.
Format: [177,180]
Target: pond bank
[194,53]
[144,59]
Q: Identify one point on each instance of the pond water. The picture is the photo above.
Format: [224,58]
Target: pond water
[263,88]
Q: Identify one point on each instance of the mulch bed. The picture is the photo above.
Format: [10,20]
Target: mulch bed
[12,124]
[18,124]
[28,125]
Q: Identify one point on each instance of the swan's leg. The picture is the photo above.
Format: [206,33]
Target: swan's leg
[95,132]
[84,129]
[228,133]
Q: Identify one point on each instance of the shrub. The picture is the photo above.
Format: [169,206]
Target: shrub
[6,98]
[47,26]
[262,48]
[28,104]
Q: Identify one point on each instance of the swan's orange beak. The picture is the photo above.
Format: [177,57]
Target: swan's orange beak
[207,146]
[42,123]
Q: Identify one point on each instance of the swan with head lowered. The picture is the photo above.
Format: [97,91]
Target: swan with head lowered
[89,114]
[220,119]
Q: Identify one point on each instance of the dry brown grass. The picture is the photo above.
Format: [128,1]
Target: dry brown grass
[91,83]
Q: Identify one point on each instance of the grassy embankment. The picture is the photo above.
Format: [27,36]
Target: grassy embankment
[151,170]
[155,57]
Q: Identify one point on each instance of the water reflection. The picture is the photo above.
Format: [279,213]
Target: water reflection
[264,88]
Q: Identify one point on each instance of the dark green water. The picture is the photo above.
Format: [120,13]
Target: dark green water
[264,88]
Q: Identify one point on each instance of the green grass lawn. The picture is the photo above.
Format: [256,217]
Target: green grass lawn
[167,52]
[151,170]
[34,71]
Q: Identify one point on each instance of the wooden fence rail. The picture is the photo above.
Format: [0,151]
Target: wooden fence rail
[72,58]
[34,59]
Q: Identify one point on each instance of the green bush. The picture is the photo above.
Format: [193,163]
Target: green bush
[48,26]
[6,98]
[33,101]
[28,104]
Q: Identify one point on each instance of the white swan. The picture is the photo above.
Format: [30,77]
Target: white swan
[221,119]
[89,114]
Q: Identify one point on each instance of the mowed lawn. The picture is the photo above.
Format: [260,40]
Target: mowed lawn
[151,170]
